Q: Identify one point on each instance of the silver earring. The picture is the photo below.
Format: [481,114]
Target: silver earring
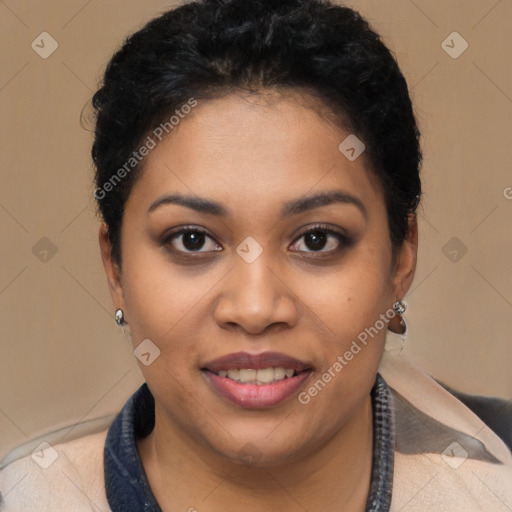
[399,307]
[391,342]
[119,317]
[404,334]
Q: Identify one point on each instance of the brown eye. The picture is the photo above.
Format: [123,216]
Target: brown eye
[190,240]
[321,239]
[315,240]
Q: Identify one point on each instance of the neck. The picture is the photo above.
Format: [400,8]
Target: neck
[334,475]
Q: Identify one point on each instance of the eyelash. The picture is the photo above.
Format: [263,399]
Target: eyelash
[344,240]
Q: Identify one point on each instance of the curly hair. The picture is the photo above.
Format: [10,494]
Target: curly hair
[208,48]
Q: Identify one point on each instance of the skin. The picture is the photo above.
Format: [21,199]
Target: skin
[252,154]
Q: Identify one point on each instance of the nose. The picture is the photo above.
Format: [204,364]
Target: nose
[256,297]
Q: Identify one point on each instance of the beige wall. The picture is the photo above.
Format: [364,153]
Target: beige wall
[62,357]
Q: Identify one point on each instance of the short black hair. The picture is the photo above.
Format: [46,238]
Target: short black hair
[208,48]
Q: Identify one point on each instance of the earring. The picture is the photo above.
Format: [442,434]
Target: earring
[391,342]
[399,307]
[403,335]
[119,317]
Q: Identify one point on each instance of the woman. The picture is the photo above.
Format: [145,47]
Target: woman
[258,179]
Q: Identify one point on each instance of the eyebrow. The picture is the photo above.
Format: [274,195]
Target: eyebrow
[293,207]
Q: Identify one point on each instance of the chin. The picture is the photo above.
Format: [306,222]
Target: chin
[261,451]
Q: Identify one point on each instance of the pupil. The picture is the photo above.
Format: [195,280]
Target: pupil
[193,240]
[317,238]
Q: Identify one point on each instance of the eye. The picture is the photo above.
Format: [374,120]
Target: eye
[192,239]
[318,239]
[321,237]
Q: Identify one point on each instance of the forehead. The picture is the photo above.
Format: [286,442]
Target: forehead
[254,150]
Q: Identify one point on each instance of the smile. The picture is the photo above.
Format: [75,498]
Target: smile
[258,377]
[256,381]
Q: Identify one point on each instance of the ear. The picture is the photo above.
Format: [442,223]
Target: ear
[112,269]
[405,261]
[406,258]
[404,269]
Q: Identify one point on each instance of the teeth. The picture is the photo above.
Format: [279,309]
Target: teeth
[234,374]
[245,375]
[261,376]
[266,375]
[279,373]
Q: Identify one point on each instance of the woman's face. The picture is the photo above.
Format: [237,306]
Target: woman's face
[255,283]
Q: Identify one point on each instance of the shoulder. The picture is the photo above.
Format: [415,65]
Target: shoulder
[445,452]
[495,412]
[64,476]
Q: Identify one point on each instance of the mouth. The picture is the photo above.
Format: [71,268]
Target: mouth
[256,381]
[258,377]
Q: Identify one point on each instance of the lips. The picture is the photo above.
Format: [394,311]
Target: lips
[238,377]
[244,360]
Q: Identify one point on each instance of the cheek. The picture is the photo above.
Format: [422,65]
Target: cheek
[157,294]
[171,307]
[351,296]
[349,303]
[350,346]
